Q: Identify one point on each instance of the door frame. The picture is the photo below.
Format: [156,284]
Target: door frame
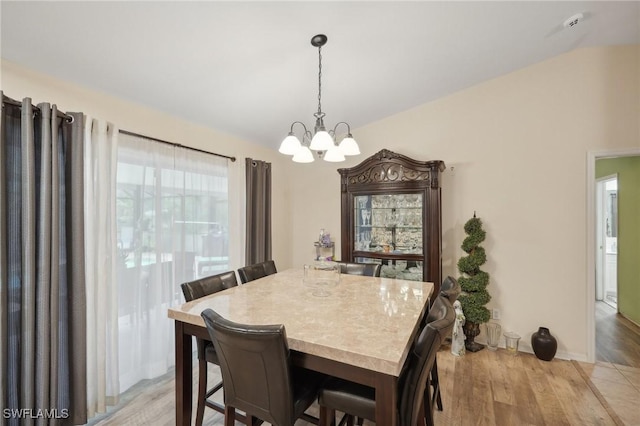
[590,310]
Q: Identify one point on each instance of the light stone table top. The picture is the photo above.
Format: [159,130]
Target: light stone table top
[367,322]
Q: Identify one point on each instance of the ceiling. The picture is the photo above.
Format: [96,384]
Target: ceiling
[248,68]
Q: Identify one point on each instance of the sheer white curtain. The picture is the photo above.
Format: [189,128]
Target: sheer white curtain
[101,142]
[172,226]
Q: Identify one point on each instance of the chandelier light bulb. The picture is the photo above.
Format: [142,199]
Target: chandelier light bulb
[349,146]
[322,141]
[333,155]
[290,145]
[303,155]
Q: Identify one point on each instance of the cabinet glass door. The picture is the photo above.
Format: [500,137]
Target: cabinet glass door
[388,223]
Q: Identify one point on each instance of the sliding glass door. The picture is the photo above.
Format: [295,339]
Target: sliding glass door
[172,227]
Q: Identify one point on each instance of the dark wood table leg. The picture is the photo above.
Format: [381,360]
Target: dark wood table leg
[184,368]
[386,399]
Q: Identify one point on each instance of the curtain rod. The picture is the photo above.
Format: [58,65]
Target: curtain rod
[125,132]
[13,102]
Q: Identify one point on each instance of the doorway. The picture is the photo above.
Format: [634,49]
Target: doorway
[607,240]
[592,246]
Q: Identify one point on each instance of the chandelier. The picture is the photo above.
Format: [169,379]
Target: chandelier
[321,140]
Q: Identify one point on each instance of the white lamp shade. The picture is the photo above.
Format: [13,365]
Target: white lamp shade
[290,145]
[348,146]
[322,141]
[303,155]
[334,155]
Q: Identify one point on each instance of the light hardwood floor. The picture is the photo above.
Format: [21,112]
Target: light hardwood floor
[617,338]
[484,388]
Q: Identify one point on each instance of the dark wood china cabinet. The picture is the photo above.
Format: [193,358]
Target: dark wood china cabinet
[391,214]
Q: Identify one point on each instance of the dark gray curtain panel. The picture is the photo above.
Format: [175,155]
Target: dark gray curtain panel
[258,193]
[42,291]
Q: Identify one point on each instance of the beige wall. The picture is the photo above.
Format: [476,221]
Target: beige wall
[517,145]
[18,82]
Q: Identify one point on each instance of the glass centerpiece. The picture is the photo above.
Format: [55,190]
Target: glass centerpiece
[321,277]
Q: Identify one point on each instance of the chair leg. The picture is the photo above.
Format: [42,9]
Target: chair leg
[436,384]
[422,416]
[428,416]
[230,416]
[346,420]
[327,416]
[202,390]
[427,405]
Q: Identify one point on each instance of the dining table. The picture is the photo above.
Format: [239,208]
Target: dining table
[360,329]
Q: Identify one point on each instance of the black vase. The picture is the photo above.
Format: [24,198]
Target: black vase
[544,344]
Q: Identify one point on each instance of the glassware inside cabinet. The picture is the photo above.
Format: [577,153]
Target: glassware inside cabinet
[410,270]
[396,201]
[363,217]
[390,223]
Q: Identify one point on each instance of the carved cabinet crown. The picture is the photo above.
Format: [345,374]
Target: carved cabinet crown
[390,167]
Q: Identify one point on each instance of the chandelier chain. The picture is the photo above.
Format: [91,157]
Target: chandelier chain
[319,79]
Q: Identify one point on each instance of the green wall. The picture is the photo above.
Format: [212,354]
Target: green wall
[628,170]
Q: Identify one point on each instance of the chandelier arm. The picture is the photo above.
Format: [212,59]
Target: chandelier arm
[301,123]
[336,126]
[307,136]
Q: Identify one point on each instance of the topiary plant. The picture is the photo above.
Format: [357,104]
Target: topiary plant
[474,282]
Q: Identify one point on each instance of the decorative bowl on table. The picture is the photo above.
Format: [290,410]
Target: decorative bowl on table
[321,277]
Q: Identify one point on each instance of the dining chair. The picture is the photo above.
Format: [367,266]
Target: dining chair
[206,352]
[258,270]
[257,372]
[359,400]
[366,269]
[449,291]
[450,288]
[441,308]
